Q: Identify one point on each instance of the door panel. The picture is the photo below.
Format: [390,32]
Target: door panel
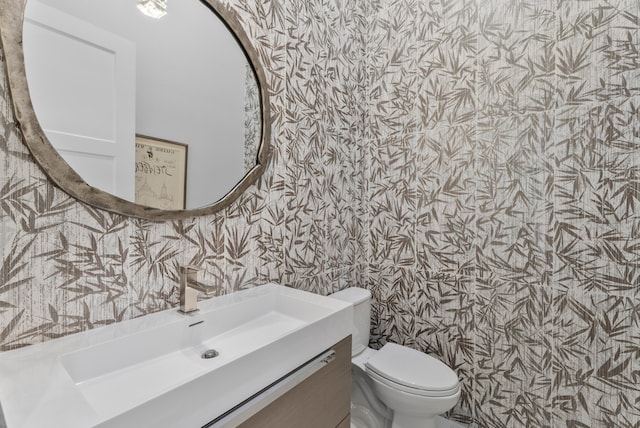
[86,101]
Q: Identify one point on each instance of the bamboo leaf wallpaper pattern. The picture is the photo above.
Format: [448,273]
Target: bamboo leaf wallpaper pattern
[474,163]
[502,195]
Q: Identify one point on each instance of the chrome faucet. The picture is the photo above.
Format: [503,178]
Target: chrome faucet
[190,289]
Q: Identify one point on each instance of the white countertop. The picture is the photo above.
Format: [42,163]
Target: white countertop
[56,384]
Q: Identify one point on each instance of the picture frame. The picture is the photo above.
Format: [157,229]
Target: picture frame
[161,173]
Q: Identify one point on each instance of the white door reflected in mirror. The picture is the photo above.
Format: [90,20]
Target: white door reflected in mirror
[101,72]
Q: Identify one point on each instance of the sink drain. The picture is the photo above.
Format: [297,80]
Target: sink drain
[209,353]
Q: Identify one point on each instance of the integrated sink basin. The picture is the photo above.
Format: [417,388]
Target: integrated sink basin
[152,371]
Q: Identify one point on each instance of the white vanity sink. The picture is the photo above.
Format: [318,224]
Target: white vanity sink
[150,371]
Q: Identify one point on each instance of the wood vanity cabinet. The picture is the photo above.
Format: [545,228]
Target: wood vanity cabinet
[323,400]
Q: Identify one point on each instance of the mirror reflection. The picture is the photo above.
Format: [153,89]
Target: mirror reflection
[160,110]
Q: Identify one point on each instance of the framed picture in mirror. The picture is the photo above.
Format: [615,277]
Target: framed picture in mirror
[161,173]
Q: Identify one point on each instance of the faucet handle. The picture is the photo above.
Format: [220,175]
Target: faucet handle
[190,269]
[189,276]
[189,288]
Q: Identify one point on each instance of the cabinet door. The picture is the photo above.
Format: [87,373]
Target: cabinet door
[321,401]
[346,422]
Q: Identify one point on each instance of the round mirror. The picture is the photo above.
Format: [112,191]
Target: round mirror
[150,108]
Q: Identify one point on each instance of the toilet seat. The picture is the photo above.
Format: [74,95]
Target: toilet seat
[411,371]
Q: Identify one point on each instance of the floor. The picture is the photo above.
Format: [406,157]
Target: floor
[445,423]
[362,421]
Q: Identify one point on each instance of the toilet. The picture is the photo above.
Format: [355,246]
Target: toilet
[395,383]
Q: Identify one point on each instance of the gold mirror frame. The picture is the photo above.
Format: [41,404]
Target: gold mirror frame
[57,169]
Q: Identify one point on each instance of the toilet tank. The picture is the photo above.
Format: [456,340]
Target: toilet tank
[361,300]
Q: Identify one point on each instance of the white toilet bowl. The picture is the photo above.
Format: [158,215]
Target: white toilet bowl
[407,386]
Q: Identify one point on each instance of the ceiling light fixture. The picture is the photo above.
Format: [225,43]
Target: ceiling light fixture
[153,8]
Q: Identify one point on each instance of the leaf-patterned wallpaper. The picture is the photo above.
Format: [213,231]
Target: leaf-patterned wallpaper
[472,162]
[252,119]
[503,170]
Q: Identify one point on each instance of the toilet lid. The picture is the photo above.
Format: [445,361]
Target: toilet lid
[412,371]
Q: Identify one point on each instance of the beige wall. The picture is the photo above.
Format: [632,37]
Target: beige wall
[473,163]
